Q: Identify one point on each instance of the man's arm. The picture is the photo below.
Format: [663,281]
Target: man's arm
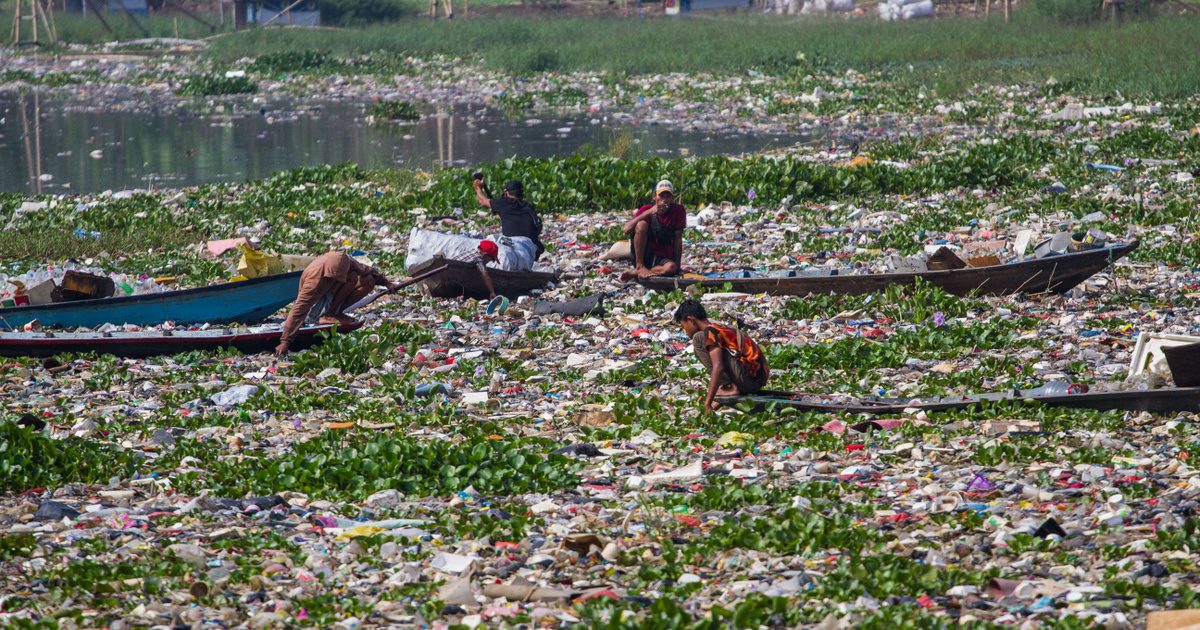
[487,279]
[718,374]
[480,197]
[305,299]
[641,216]
[365,270]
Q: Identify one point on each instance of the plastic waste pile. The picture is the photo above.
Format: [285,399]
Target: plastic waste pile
[36,285]
[548,463]
[827,6]
[893,10]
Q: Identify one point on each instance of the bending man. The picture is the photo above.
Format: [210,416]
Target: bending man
[656,235]
[735,363]
[327,286]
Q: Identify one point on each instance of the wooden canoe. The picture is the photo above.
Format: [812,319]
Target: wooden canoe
[1057,274]
[462,279]
[244,302]
[156,342]
[1169,400]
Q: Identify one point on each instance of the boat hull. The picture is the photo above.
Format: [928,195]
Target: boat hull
[1057,274]
[244,302]
[154,343]
[1172,400]
[462,279]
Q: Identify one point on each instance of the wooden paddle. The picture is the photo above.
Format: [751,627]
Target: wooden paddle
[378,294]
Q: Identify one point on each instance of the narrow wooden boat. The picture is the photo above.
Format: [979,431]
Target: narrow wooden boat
[156,342]
[1055,274]
[244,302]
[462,279]
[1170,400]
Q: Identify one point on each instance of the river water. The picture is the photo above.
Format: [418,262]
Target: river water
[52,145]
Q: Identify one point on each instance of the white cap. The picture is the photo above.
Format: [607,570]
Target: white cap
[664,185]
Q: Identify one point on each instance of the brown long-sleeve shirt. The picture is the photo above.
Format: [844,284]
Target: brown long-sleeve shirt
[323,275]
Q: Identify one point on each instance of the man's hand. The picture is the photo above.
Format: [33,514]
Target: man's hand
[478,184]
[281,349]
[710,403]
[393,286]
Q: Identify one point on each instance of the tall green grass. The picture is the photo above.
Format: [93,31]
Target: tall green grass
[1153,57]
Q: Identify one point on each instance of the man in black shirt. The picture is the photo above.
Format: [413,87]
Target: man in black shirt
[517,216]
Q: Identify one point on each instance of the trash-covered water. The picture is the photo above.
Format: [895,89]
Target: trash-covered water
[55,145]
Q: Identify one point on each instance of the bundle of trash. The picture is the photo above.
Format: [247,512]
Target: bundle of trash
[940,257]
[517,253]
[826,6]
[62,284]
[892,10]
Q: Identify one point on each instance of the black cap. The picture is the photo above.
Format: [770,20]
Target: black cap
[515,187]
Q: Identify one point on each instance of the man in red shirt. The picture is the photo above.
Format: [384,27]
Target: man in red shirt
[656,235]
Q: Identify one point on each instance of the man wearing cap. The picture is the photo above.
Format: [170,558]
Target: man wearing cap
[517,216]
[327,286]
[489,252]
[656,235]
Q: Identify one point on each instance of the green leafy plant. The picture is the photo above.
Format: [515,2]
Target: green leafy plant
[395,111]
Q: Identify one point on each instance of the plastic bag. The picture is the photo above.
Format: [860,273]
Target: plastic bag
[517,253]
[425,244]
[256,264]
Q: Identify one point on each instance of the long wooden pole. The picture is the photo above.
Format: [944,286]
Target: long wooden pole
[16,34]
[133,19]
[288,10]
[211,27]
[92,5]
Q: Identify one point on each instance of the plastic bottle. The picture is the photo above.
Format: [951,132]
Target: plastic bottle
[1057,388]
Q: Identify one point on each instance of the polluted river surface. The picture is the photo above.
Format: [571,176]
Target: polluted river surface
[57,146]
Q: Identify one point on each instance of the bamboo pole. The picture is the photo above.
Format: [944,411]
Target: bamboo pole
[133,19]
[288,11]
[28,145]
[91,5]
[37,134]
[174,3]
[16,34]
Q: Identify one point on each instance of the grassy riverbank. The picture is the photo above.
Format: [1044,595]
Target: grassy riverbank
[947,53]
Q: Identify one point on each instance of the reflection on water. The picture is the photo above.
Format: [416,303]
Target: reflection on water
[53,146]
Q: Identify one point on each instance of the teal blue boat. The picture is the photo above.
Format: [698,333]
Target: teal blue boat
[244,302]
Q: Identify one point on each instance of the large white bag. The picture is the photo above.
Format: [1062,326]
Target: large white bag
[516,252]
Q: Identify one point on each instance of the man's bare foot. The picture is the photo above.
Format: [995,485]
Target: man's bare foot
[645,273]
[630,274]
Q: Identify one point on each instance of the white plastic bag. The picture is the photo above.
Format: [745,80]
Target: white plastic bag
[425,244]
[921,9]
[517,253]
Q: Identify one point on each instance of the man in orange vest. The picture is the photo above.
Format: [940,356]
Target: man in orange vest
[735,363]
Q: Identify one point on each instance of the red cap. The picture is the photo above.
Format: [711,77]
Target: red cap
[488,248]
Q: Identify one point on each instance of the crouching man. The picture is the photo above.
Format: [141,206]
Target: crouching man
[735,363]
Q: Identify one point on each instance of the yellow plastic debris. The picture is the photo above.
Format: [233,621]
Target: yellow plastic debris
[859,160]
[256,264]
[735,439]
[359,531]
